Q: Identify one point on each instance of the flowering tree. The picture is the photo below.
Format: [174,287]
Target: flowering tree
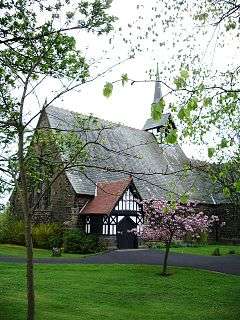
[167,222]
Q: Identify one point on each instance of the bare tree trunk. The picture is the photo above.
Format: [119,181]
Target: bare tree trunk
[164,269]
[28,229]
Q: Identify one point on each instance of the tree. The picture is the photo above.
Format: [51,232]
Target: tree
[35,47]
[203,99]
[167,222]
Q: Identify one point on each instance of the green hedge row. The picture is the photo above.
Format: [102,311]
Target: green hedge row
[47,236]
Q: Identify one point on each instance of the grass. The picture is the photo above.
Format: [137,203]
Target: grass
[207,250]
[20,251]
[120,292]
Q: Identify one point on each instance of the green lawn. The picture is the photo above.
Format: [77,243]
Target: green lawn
[19,251]
[207,250]
[74,292]
[204,250]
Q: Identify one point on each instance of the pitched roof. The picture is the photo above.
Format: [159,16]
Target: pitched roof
[107,196]
[121,151]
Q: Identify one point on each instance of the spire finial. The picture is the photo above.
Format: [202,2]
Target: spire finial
[158,90]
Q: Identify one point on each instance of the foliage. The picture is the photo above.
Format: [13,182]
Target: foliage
[46,235]
[107,90]
[169,222]
[157,110]
[216,252]
[202,239]
[227,176]
[76,241]
[11,230]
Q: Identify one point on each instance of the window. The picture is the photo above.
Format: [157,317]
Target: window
[109,225]
[88,225]
[105,225]
[128,202]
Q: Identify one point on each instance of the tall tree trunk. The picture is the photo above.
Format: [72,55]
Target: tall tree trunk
[28,229]
[164,269]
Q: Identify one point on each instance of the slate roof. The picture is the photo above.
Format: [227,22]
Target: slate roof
[120,151]
[107,196]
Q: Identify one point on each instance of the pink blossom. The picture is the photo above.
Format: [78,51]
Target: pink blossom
[166,222]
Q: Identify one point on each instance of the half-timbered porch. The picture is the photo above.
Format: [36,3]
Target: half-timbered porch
[114,212]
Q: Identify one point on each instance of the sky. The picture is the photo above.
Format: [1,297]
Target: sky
[131,104]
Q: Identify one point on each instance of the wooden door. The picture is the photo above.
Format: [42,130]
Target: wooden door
[126,239]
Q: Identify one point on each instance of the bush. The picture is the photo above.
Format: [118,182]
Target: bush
[11,230]
[75,241]
[46,236]
[202,240]
[231,252]
[216,252]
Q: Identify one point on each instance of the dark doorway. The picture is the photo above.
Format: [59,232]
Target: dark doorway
[126,239]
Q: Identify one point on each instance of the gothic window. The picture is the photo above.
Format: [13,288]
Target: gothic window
[88,225]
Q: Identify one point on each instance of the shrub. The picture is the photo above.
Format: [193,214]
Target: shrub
[203,238]
[11,230]
[46,236]
[216,252]
[75,241]
[56,241]
[231,252]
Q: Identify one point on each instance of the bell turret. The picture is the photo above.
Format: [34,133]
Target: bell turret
[161,127]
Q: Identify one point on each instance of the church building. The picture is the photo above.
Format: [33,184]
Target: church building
[124,166]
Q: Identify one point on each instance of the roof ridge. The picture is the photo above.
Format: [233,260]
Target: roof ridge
[88,115]
[130,178]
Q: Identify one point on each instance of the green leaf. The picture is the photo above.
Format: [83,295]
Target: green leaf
[237,185]
[207,101]
[181,81]
[184,198]
[182,114]
[226,191]
[172,137]
[211,152]
[184,74]
[157,110]
[214,178]
[192,104]
[124,78]
[107,90]
[224,143]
